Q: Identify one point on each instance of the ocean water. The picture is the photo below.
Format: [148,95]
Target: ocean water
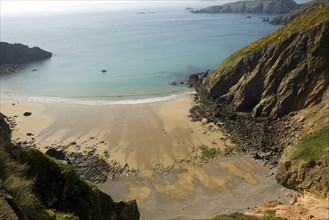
[143,47]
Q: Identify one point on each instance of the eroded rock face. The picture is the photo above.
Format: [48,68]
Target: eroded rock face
[277,79]
[309,176]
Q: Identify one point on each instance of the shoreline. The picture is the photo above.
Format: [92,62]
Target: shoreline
[98,100]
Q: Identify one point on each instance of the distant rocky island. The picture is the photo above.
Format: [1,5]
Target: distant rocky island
[12,56]
[252,7]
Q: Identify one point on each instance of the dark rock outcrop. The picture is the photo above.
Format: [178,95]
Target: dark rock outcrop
[57,154]
[20,54]
[254,7]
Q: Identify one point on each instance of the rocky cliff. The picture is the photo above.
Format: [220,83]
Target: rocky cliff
[35,186]
[256,92]
[283,72]
[253,7]
[20,54]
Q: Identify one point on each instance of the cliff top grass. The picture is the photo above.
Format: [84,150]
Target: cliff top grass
[313,146]
[314,17]
[240,216]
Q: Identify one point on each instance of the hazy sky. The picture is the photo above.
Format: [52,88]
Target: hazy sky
[25,6]
[13,6]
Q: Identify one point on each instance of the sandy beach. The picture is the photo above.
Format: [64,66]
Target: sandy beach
[159,141]
[140,135]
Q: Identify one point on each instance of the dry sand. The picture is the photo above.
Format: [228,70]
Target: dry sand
[160,141]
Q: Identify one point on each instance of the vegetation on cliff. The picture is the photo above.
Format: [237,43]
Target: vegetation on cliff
[308,166]
[255,6]
[313,146]
[315,17]
[239,216]
[35,186]
[282,72]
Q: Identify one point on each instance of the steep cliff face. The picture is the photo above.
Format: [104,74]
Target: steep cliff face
[254,7]
[20,54]
[283,72]
[311,176]
[307,166]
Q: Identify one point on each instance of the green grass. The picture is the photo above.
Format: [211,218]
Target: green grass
[207,152]
[65,216]
[313,146]
[16,184]
[270,213]
[315,17]
[240,216]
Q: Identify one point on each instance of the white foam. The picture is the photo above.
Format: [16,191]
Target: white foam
[90,101]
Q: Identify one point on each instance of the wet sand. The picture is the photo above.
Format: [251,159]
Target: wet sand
[224,185]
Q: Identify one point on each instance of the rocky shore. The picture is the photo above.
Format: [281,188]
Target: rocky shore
[262,138]
[9,68]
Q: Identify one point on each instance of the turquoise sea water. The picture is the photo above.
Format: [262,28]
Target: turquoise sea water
[143,50]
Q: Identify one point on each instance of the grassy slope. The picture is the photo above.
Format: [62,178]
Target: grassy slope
[13,181]
[37,181]
[313,146]
[55,179]
[315,17]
